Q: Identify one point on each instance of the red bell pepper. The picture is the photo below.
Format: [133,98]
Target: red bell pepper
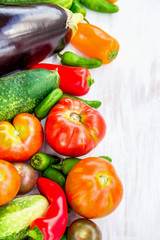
[53,225]
[73,80]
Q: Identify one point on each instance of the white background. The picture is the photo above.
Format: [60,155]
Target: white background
[129,88]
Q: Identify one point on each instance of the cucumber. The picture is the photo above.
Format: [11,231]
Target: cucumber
[47,103]
[23,91]
[17,215]
[62,3]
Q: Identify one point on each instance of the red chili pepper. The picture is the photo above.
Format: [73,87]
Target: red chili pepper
[73,80]
[53,225]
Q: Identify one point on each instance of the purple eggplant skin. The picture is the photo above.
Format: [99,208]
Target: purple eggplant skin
[30,33]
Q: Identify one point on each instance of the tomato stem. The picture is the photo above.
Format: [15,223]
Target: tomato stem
[16,132]
[103,179]
[75,117]
[1,176]
[83,234]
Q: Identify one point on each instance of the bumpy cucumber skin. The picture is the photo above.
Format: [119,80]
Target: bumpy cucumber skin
[62,3]
[23,91]
[17,236]
[18,214]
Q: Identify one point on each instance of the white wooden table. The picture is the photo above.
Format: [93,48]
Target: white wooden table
[129,88]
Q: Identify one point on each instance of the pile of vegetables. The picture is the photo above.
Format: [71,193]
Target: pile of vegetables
[31,91]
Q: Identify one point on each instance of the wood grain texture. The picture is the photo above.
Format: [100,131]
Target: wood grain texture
[129,88]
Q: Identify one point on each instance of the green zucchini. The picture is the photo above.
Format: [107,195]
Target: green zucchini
[17,215]
[23,91]
[62,3]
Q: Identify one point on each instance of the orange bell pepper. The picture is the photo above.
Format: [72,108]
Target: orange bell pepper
[95,42]
[112,1]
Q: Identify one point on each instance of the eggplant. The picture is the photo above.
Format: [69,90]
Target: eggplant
[30,33]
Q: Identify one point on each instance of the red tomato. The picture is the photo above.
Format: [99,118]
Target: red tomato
[9,182]
[18,142]
[73,128]
[93,188]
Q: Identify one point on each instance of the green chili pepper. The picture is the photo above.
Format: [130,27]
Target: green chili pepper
[40,161]
[77,8]
[67,165]
[55,175]
[107,158]
[47,103]
[72,59]
[94,103]
[100,6]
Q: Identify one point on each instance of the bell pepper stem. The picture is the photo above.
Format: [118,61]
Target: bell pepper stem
[113,54]
[35,234]
[90,81]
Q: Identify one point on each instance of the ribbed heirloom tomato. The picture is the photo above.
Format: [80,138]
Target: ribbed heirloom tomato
[21,139]
[9,182]
[93,188]
[73,128]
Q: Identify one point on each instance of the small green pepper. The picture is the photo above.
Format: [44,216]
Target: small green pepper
[67,165]
[107,158]
[40,161]
[55,175]
[94,103]
[72,59]
[100,6]
[77,8]
[47,103]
